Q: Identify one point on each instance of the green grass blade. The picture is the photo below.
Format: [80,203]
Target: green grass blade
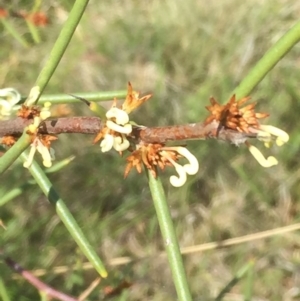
[34,32]
[3,292]
[9,28]
[249,282]
[238,276]
[268,61]
[169,237]
[65,215]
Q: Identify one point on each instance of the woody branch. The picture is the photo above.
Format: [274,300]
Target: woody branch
[92,125]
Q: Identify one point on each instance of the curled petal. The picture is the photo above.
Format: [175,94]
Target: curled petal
[126,129]
[256,153]
[193,166]
[9,97]
[174,180]
[44,151]
[181,179]
[47,154]
[282,136]
[32,151]
[121,144]
[107,143]
[264,136]
[120,115]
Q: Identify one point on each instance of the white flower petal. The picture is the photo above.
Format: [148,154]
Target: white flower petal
[181,179]
[107,143]
[32,151]
[270,161]
[121,144]
[282,136]
[120,115]
[126,129]
[44,151]
[193,166]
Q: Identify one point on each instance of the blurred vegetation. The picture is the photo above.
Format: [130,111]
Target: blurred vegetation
[183,52]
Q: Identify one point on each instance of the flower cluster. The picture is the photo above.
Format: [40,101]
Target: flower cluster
[40,143]
[117,131]
[158,155]
[117,125]
[244,119]
[113,135]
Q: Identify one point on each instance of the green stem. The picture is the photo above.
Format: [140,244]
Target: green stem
[59,48]
[65,215]
[14,152]
[170,239]
[90,96]
[268,61]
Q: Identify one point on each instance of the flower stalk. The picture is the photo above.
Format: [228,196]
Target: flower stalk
[169,237]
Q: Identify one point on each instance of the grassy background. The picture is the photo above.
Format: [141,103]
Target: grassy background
[183,52]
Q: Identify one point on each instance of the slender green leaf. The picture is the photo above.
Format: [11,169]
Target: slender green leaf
[237,277]
[65,215]
[268,61]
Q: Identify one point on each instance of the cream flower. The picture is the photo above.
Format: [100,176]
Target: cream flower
[9,97]
[120,115]
[191,168]
[281,136]
[267,134]
[256,153]
[121,144]
[47,154]
[107,143]
[126,129]
[118,121]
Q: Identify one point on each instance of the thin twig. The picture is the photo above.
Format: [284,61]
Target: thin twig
[37,283]
[92,125]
